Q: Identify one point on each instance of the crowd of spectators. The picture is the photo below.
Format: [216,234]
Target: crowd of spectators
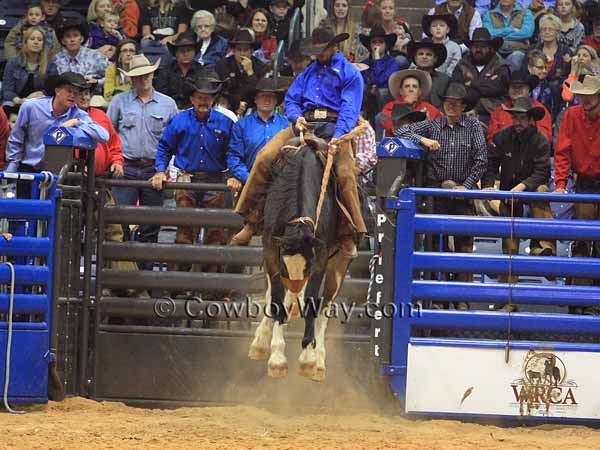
[138,58]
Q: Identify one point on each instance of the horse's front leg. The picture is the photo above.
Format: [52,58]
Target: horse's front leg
[259,349]
[308,357]
[277,365]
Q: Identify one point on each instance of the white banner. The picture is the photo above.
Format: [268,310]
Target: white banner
[535,382]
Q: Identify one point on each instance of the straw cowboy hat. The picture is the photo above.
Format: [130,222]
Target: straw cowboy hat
[378,32]
[395,81]
[448,18]
[139,66]
[483,35]
[439,50]
[321,39]
[524,105]
[97,101]
[590,85]
[458,91]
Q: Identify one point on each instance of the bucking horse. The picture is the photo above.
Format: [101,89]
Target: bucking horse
[299,239]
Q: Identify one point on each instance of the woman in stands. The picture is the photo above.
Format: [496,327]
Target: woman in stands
[341,22]
[259,22]
[25,75]
[388,11]
[559,55]
[211,47]
[114,80]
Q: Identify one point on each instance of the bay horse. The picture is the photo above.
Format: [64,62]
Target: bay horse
[296,257]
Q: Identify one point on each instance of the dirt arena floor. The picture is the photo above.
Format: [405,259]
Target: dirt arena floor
[77,424]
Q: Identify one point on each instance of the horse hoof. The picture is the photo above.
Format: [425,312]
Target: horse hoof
[318,374]
[307,370]
[277,371]
[257,353]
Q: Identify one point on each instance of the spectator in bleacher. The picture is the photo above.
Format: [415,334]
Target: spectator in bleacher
[572,30]
[250,134]
[428,56]
[546,92]
[97,9]
[115,81]
[441,28]
[5,128]
[74,57]
[403,37]
[341,22]
[34,17]
[297,60]
[520,85]
[211,47]
[258,21]
[456,159]
[198,138]
[519,156]
[468,17]
[410,87]
[242,70]
[171,79]
[140,117]
[280,19]
[105,34]
[54,18]
[11,112]
[25,75]
[585,62]
[388,14]
[485,71]
[578,139]
[381,64]
[559,55]
[162,21]
[515,25]
[129,13]
[593,40]
[25,151]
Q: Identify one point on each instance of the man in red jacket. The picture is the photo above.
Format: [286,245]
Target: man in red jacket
[578,150]
[520,85]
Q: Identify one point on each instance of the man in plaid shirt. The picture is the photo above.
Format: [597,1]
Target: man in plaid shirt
[457,159]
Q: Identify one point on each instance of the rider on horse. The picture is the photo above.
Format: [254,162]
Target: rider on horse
[326,97]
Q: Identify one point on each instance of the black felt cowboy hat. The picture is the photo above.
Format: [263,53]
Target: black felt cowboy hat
[439,50]
[458,91]
[524,105]
[403,111]
[378,32]
[483,35]
[183,40]
[524,78]
[245,36]
[448,18]
[273,86]
[67,78]
[321,38]
[75,24]
[205,83]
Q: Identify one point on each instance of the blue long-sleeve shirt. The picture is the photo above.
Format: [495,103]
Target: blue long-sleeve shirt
[337,85]
[26,141]
[380,71]
[198,146]
[249,135]
[508,32]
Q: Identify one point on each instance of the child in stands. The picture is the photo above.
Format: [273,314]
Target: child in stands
[34,17]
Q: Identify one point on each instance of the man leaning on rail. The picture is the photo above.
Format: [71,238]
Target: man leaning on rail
[578,150]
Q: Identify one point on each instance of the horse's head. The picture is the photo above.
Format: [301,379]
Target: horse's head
[297,254]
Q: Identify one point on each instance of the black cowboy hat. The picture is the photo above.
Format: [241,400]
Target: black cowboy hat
[205,83]
[274,2]
[273,86]
[525,78]
[403,111]
[183,40]
[70,78]
[448,18]
[439,50]
[483,35]
[245,36]
[459,91]
[525,105]
[75,24]
[378,32]
[321,38]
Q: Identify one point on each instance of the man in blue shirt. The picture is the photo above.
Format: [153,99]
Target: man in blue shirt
[251,133]
[327,96]
[198,138]
[25,149]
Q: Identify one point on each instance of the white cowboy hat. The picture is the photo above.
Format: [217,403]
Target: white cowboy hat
[139,66]
[589,86]
[97,101]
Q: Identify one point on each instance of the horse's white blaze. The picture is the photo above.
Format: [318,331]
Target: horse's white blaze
[295,264]
[262,337]
[277,360]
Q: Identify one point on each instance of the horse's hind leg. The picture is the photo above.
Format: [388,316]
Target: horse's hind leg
[259,349]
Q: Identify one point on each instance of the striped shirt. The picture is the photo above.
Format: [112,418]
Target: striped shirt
[462,156]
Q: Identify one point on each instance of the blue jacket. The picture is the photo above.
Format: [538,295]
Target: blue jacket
[15,78]
[508,31]
[248,137]
[217,49]
[197,146]
[380,71]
